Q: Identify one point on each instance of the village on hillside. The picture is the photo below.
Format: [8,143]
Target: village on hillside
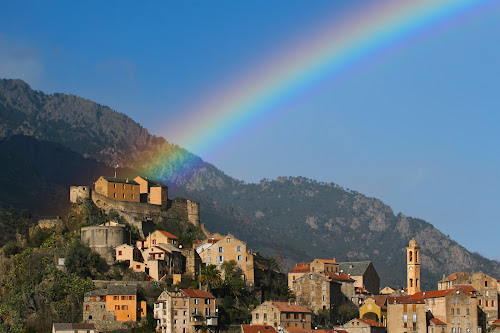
[324,295]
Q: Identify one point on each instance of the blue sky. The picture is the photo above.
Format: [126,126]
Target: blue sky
[416,125]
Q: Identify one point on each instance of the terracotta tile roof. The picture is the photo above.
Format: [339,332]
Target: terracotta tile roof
[196,293]
[496,322]
[339,277]
[293,329]
[405,300]
[258,329]
[301,267]
[168,234]
[370,322]
[436,321]
[466,288]
[381,300]
[327,261]
[432,293]
[289,307]
[452,277]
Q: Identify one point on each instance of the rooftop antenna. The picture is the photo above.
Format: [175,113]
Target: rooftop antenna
[115,169]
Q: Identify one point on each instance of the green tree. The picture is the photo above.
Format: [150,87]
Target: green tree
[210,277]
[230,269]
[346,313]
[81,261]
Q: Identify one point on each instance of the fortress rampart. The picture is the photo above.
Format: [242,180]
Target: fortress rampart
[104,239]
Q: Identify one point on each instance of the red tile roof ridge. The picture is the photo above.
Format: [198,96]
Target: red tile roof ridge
[339,277]
[168,234]
[437,321]
[371,322]
[197,293]
[433,293]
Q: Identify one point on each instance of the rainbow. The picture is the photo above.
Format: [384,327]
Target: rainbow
[334,47]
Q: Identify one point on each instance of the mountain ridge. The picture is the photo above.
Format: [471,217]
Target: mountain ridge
[293,218]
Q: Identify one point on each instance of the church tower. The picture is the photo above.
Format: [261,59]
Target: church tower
[413,267]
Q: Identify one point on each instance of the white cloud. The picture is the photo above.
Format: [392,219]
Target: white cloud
[19,62]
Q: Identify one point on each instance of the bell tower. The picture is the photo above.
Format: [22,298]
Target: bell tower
[413,267]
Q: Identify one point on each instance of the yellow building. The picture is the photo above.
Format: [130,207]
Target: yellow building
[413,267]
[374,308]
[118,188]
[152,191]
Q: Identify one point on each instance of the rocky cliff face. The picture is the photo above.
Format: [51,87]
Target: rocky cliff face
[296,219]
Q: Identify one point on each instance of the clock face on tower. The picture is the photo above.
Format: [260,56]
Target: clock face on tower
[410,268]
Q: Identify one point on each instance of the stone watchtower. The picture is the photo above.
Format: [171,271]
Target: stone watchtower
[413,267]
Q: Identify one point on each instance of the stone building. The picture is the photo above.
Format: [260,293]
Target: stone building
[316,291]
[363,326]
[185,311]
[193,263]
[152,192]
[255,269]
[486,290]
[104,238]
[457,308]
[158,237]
[364,275]
[119,189]
[108,309]
[406,314]
[282,315]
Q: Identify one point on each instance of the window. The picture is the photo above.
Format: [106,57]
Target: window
[229,240]
[123,186]
[87,308]
[295,316]
[324,298]
[480,302]
[207,311]
[411,282]
[487,294]
[90,317]
[117,307]
[131,298]
[221,249]
[414,319]
[132,187]
[453,320]
[114,195]
[411,256]
[256,316]
[116,298]
[207,301]
[467,311]
[405,320]
[452,311]
[405,307]
[239,257]
[452,300]
[238,248]
[323,287]
[104,317]
[458,301]
[458,311]
[208,260]
[124,298]
[414,308]
[287,316]
[114,185]
[265,316]
[138,266]
[486,302]
[124,307]
[220,259]
[458,321]
[485,283]
[196,301]
[310,276]
[123,195]
[132,195]
[467,301]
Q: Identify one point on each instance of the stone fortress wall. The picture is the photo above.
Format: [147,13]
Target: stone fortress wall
[138,213]
[104,239]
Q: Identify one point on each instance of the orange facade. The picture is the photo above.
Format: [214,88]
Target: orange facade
[118,189]
[126,307]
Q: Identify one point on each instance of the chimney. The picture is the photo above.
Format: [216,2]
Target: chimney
[334,259]
[127,180]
